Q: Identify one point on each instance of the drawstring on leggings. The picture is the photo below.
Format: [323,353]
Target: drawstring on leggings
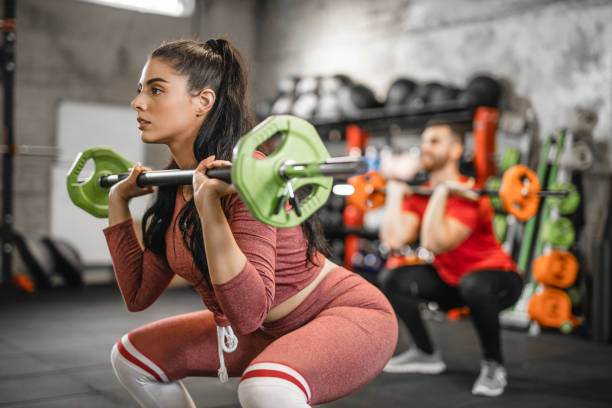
[228,342]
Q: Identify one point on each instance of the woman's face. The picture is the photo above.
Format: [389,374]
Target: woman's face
[167,113]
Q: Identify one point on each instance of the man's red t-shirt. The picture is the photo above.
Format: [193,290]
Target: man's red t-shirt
[481,250]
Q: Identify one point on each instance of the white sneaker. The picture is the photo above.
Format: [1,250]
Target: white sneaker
[492,379]
[415,361]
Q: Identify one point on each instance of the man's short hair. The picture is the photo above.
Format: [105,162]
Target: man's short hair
[457,130]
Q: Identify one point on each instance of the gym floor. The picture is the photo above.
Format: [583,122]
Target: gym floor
[54,352]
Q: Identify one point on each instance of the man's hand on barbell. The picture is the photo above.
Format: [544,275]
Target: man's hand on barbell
[462,190]
[397,190]
[401,167]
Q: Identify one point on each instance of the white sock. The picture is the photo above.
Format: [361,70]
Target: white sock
[272,385]
[145,381]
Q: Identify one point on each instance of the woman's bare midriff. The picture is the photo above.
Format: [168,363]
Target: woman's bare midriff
[281,310]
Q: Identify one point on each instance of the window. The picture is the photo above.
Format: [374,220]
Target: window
[174,8]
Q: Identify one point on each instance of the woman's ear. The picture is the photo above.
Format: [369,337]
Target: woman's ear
[204,101]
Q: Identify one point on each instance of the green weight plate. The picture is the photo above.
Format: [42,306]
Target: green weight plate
[500,226]
[89,195]
[560,232]
[568,204]
[566,327]
[510,158]
[494,183]
[258,181]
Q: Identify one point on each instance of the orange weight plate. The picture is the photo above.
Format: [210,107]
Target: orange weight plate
[368,193]
[557,268]
[551,308]
[519,192]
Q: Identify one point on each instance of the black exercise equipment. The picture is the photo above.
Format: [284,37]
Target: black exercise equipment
[442,94]
[67,261]
[50,262]
[422,94]
[355,98]
[482,90]
[9,29]
[37,257]
[399,92]
[285,96]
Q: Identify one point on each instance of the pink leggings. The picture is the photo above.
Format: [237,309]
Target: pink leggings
[338,340]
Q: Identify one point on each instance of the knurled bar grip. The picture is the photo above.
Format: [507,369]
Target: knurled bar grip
[165,177]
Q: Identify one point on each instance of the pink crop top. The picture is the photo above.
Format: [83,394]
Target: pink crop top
[276,267]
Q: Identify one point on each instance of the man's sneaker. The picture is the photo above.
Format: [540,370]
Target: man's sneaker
[492,379]
[415,361]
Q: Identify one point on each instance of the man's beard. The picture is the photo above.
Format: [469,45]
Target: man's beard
[433,163]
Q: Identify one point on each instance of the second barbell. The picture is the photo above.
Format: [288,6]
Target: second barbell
[520,192]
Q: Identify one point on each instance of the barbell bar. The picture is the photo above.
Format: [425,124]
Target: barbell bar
[30,150]
[336,167]
[426,191]
[264,184]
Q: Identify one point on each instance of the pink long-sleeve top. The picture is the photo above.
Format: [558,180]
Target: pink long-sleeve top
[276,267]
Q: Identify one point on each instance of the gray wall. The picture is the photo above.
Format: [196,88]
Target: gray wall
[557,54]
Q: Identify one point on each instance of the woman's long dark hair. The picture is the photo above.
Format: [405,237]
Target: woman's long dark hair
[216,65]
